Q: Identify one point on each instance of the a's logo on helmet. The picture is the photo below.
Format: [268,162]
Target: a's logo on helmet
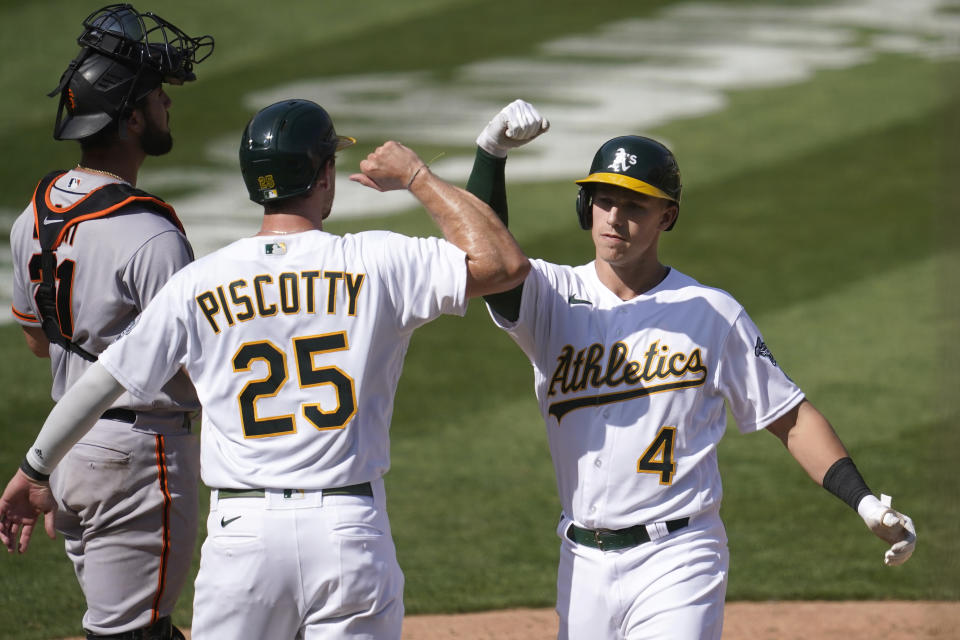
[622,160]
[266,182]
[71,101]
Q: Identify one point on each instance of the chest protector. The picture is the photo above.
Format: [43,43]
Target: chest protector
[52,224]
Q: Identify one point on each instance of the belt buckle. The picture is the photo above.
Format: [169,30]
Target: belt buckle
[597,539]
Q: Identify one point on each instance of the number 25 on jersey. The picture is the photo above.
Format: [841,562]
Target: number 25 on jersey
[304,350]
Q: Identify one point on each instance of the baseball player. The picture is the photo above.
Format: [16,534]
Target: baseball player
[294,339]
[635,365]
[89,252]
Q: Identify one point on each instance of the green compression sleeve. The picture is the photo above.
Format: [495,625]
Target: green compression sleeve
[488,182]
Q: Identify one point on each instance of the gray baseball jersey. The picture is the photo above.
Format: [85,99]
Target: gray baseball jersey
[112,267]
[127,492]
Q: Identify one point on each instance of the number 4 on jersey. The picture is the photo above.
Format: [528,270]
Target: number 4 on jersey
[658,458]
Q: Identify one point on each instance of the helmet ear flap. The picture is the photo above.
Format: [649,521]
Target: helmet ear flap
[585,208]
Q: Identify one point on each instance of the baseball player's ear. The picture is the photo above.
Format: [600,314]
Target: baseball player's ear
[137,121]
[670,214]
[328,174]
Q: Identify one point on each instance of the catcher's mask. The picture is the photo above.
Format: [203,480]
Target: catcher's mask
[124,55]
[284,147]
[633,162]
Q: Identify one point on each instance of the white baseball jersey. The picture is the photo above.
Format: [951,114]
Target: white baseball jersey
[633,392]
[295,344]
[108,269]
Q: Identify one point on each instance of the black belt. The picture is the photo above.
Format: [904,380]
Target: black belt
[611,539]
[363,489]
[120,415]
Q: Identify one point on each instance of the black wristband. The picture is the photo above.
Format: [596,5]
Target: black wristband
[844,481]
[32,473]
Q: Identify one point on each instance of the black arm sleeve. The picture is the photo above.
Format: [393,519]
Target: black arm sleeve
[488,182]
[844,481]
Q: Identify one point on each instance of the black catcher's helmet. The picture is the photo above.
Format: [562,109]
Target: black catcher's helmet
[636,163]
[283,148]
[124,55]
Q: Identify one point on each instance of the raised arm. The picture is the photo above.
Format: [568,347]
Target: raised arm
[494,260]
[515,125]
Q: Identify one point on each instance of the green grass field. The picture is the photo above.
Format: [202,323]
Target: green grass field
[827,206]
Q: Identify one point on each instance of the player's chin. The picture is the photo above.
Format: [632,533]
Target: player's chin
[612,257]
[611,244]
[158,145]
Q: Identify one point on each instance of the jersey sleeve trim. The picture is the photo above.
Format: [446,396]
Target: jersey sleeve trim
[24,317]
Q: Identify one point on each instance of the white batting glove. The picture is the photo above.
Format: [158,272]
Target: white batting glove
[891,526]
[517,124]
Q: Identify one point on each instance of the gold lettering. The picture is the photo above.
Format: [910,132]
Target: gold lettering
[648,360]
[676,369]
[333,277]
[262,308]
[289,293]
[562,371]
[309,277]
[353,292]
[618,355]
[209,307]
[592,368]
[240,301]
[223,305]
[243,301]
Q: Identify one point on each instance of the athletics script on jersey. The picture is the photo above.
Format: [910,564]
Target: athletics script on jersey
[290,293]
[599,367]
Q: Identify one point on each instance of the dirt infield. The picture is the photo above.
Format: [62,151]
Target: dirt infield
[743,621]
[892,620]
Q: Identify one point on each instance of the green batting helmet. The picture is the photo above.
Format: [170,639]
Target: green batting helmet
[633,162]
[284,147]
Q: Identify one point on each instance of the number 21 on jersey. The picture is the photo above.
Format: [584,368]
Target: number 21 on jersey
[308,375]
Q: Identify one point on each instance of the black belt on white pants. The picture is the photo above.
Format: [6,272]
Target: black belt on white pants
[362,489]
[613,539]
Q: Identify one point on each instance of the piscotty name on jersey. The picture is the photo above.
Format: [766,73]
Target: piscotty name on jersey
[599,367]
[288,293]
